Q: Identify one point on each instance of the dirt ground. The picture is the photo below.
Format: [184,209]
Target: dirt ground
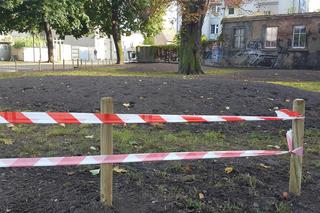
[73,189]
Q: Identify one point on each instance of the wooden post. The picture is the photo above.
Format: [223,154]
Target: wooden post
[296,161]
[106,147]
[72,63]
[78,63]
[52,65]
[63,64]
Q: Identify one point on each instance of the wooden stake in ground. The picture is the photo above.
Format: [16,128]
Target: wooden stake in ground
[296,161]
[106,147]
[63,64]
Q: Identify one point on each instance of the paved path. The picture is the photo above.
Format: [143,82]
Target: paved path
[23,66]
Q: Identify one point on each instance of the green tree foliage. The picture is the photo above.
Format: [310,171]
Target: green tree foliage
[66,17]
[28,42]
[122,17]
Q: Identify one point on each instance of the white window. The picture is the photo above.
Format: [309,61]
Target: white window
[239,38]
[216,8]
[299,37]
[215,29]
[271,37]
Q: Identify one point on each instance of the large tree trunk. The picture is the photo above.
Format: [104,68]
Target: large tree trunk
[189,51]
[118,46]
[117,35]
[49,38]
[193,13]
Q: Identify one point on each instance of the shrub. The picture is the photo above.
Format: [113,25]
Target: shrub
[28,42]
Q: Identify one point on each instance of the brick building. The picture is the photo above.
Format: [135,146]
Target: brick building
[279,41]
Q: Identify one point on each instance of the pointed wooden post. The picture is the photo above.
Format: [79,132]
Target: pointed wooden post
[106,147]
[297,136]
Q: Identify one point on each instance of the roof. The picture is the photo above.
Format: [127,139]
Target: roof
[270,17]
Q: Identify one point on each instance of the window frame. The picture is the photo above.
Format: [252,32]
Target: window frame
[216,8]
[276,39]
[240,38]
[232,9]
[214,29]
[299,34]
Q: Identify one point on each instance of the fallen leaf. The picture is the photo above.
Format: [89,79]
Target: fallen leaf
[285,195]
[133,143]
[264,166]
[188,168]
[62,124]
[158,125]
[201,196]
[71,173]
[274,146]
[117,169]
[188,178]
[227,107]
[7,141]
[89,136]
[12,127]
[228,170]
[95,172]
[128,105]
[93,148]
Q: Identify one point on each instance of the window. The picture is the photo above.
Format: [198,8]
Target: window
[231,10]
[216,8]
[299,37]
[238,38]
[271,37]
[215,29]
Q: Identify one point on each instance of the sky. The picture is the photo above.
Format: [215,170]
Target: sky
[314,5]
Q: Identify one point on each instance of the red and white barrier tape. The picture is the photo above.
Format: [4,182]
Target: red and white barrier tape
[298,151]
[130,158]
[96,118]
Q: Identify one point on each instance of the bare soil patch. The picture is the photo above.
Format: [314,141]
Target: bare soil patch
[162,187]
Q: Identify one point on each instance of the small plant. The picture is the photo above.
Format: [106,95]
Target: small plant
[282,207]
[193,204]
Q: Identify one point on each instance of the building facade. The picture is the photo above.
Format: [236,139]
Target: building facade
[279,41]
[225,9]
